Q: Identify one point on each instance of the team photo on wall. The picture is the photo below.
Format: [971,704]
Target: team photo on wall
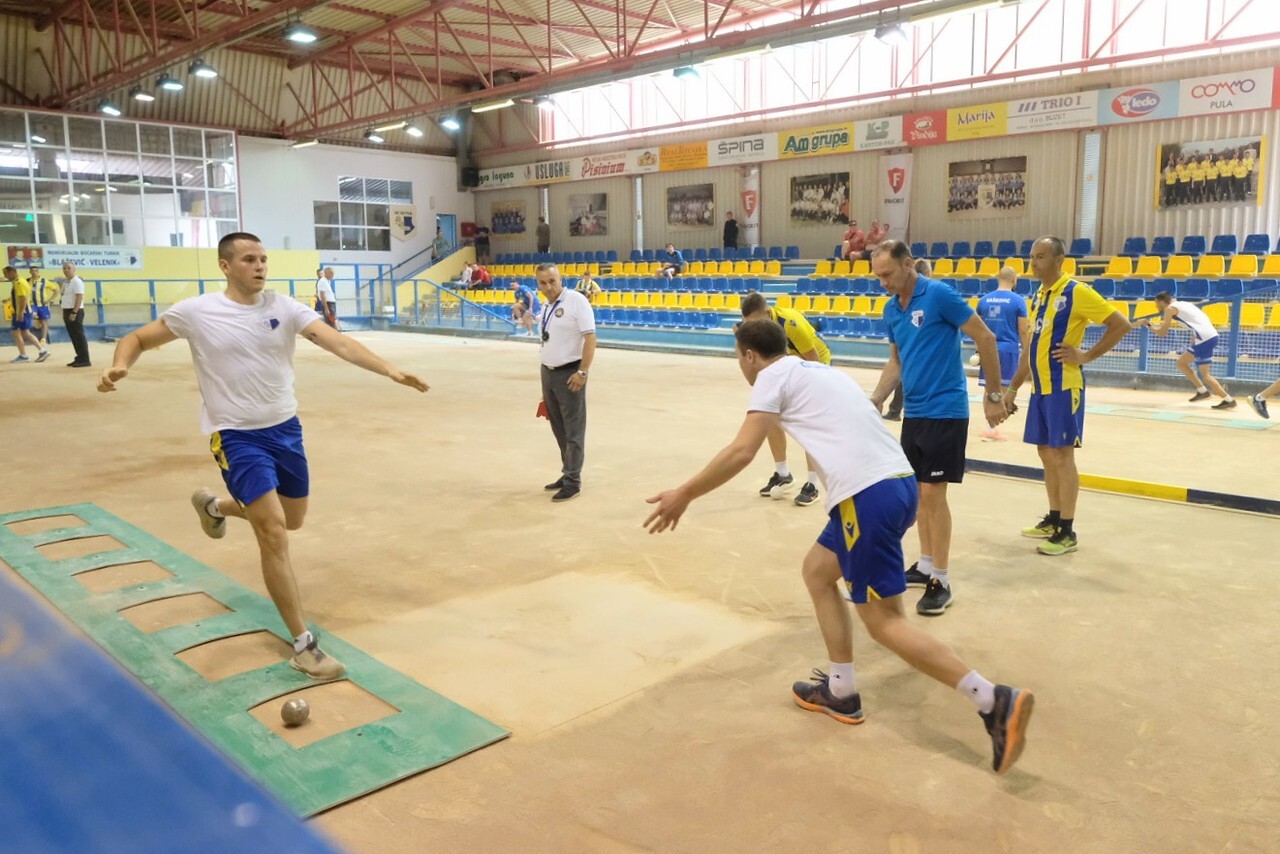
[508,217]
[981,189]
[589,215]
[692,206]
[820,199]
[1217,172]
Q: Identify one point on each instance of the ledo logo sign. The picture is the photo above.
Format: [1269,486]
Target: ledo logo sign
[1135,103]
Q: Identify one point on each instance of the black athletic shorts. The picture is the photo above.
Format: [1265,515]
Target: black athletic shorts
[935,448]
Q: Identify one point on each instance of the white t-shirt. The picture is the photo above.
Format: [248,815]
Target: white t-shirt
[565,320]
[831,417]
[324,290]
[1197,321]
[243,356]
[74,285]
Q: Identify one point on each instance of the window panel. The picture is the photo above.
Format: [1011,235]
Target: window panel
[378,215]
[188,173]
[351,189]
[121,136]
[92,230]
[222,176]
[352,213]
[353,238]
[53,228]
[87,166]
[220,145]
[17,227]
[13,127]
[188,142]
[192,203]
[226,227]
[154,139]
[52,128]
[379,239]
[328,238]
[376,189]
[84,133]
[222,205]
[401,192]
[326,213]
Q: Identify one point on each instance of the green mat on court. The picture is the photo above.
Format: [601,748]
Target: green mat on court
[426,731]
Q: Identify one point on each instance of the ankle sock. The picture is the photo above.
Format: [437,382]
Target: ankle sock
[781,469]
[212,509]
[840,680]
[812,478]
[303,641]
[979,690]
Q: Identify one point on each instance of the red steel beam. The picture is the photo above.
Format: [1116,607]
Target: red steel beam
[426,12]
[1018,36]
[1117,28]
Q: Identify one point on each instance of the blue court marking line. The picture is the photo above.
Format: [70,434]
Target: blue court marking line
[1140,488]
[1200,419]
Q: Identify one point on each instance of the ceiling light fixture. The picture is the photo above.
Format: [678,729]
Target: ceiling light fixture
[450,123]
[392,126]
[544,102]
[686,72]
[200,68]
[108,108]
[372,135]
[169,83]
[891,34]
[413,131]
[306,144]
[300,33]
[493,105]
[137,93]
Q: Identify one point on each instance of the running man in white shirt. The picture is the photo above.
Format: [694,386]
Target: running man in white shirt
[242,342]
[871,500]
[1204,338]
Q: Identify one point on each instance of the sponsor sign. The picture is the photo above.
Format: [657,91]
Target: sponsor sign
[601,166]
[51,257]
[1230,92]
[548,172]
[750,234]
[925,128]
[1053,112]
[641,160]
[743,149]
[894,187]
[1138,103]
[877,133]
[690,155]
[811,142]
[977,122]
[502,176]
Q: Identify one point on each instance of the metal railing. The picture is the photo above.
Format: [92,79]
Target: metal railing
[436,306]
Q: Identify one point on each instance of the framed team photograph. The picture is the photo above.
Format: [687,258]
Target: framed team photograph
[507,218]
[1217,172]
[987,189]
[589,215]
[691,206]
[820,199]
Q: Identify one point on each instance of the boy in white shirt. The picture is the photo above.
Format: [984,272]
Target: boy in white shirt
[871,500]
[242,342]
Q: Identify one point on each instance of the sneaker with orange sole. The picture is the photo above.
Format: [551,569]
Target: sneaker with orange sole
[815,695]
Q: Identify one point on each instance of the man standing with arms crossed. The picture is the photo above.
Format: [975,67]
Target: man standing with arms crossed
[568,328]
[924,318]
[73,315]
[242,342]
[1060,311]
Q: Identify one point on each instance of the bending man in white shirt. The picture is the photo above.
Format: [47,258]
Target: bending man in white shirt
[871,502]
[242,343]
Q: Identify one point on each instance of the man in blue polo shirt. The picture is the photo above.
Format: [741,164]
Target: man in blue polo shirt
[925,318]
[1005,313]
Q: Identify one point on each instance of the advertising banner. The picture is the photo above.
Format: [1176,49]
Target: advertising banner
[501,177]
[549,172]
[894,187]
[1229,92]
[690,155]
[743,149]
[1057,112]
[977,122]
[877,133]
[53,256]
[601,166]
[925,128]
[642,160]
[750,207]
[1138,104]
[811,142]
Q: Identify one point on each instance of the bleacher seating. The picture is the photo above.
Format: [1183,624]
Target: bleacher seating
[1193,245]
[1024,249]
[1224,244]
[1080,247]
[938,249]
[1257,244]
[961,249]
[1192,289]
[1006,249]
[1134,247]
[1164,246]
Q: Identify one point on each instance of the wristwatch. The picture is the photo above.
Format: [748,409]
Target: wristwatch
[582,374]
[995,396]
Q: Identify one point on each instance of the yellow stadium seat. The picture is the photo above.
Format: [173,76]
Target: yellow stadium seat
[694,268]
[1179,266]
[1119,267]
[989,268]
[842,305]
[1020,267]
[802,304]
[627,268]
[1123,307]
[1068,267]
[1253,315]
[861,306]
[821,305]
[756,268]
[716,303]
[1273,319]
[733,302]
[842,268]
[683,300]
[783,301]
[943,267]
[773,268]
[861,267]
[701,301]
[1149,266]
[1271,265]
[612,299]
[1243,265]
[877,306]
[1219,313]
[740,268]
[627,298]
[644,300]
[823,268]
[673,300]
[965,267]
[1212,265]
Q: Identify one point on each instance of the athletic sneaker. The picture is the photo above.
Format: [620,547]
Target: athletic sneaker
[44,354]
[1042,530]
[17,359]
[807,495]
[213,526]
[937,598]
[1006,723]
[566,492]
[315,663]
[1259,405]
[775,480]
[1222,404]
[1059,544]
[916,578]
[1199,396]
[816,696]
[554,486]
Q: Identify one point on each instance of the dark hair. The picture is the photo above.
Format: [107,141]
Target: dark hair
[897,250]
[1164,296]
[763,336]
[8,270]
[753,303]
[1055,243]
[227,245]
[923,267]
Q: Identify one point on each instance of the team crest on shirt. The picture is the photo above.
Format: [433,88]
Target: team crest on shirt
[917,318]
[1060,303]
[559,312]
[271,324]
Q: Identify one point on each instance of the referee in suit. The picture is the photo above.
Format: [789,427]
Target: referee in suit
[568,328]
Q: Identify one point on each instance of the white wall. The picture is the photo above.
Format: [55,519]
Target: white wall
[279,184]
[501,244]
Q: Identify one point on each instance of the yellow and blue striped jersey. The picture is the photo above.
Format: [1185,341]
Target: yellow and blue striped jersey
[1058,315]
[41,291]
[801,336]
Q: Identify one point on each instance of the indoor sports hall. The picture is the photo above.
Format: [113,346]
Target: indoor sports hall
[529,674]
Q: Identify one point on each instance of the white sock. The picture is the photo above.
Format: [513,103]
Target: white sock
[978,689]
[304,640]
[781,468]
[1202,390]
[841,682]
[212,509]
[812,477]
[1228,397]
[941,575]
[925,565]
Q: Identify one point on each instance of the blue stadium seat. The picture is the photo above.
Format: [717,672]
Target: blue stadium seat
[791,253]
[986,286]
[1006,249]
[1193,245]
[838,287]
[1225,288]
[1134,247]
[961,249]
[715,254]
[648,255]
[984,249]
[1224,244]
[611,256]
[840,325]
[700,254]
[635,316]
[969,287]
[805,286]
[1164,246]
[1106,288]
[861,286]
[759,254]
[919,249]
[1257,244]
[1130,288]
[721,285]
[1080,247]
[1024,250]
[835,252]
[861,327]
[775,253]
[938,249]
[1194,288]
[879,329]
[1158,285]
[1025,286]
[752,284]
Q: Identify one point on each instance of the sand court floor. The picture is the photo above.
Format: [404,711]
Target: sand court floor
[646,678]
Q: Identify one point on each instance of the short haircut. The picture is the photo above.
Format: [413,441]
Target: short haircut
[8,270]
[754,303]
[1008,273]
[924,267]
[1055,243]
[227,245]
[897,250]
[543,268]
[1164,296]
[763,336]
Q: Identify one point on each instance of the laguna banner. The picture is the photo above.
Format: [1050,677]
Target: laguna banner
[894,187]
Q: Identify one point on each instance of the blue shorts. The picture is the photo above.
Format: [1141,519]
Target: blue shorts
[1203,351]
[22,324]
[255,462]
[1008,365]
[865,532]
[42,311]
[1055,420]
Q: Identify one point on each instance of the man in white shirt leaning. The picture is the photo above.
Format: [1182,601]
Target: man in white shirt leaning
[73,315]
[242,343]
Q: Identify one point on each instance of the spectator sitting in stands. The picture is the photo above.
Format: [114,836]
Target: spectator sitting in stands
[524,310]
[480,277]
[877,234]
[673,264]
[588,286]
[464,278]
[854,243]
